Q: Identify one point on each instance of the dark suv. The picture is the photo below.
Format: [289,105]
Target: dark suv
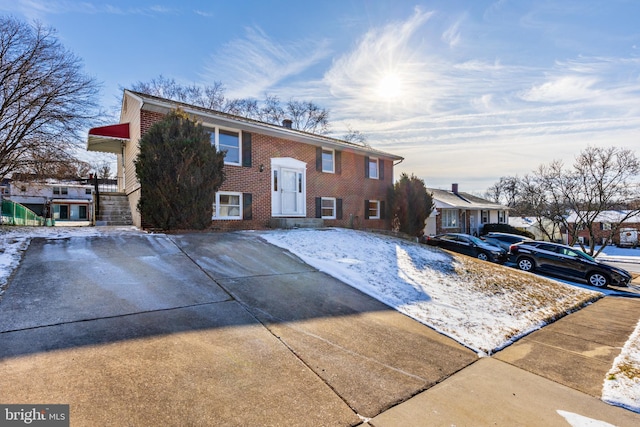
[565,261]
[504,240]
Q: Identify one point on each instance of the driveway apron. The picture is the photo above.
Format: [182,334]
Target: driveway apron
[205,329]
[372,356]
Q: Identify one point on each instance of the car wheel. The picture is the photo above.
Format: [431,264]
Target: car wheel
[598,279]
[482,256]
[526,264]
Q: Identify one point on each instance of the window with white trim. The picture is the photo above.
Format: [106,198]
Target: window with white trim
[449,218]
[328,207]
[328,160]
[502,217]
[484,217]
[373,168]
[227,205]
[228,141]
[374,209]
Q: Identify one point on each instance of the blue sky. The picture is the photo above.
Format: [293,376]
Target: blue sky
[465,91]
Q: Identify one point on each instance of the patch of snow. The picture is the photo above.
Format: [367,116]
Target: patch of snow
[419,281]
[622,384]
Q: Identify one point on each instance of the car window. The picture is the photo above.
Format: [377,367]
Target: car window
[549,248]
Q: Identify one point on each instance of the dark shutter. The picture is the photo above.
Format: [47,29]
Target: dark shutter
[338,208]
[338,160]
[246,149]
[366,166]
[319,159]
[381,167]
[383,210]
[247,212]
[366,209]
[318,207]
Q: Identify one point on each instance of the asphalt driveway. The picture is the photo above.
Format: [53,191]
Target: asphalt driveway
[205,329]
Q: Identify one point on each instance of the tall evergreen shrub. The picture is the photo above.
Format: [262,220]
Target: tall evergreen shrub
[411,204]
[179,171]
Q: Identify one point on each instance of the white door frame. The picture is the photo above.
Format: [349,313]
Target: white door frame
[280,200]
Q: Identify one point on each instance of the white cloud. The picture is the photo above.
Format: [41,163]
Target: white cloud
[562,89]
[452,35]
[254,64]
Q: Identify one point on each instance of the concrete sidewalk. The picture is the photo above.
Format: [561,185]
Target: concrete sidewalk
[552,377]
[225,329]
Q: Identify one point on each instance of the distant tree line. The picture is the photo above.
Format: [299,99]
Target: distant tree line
[600,179]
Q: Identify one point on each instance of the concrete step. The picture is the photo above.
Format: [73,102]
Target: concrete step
[114,210]
[296,223]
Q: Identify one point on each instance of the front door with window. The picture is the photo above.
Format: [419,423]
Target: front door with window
[289,192]
[288,187]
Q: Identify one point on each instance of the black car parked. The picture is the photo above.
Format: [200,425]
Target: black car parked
[468,245]
[565,261]
[504,240]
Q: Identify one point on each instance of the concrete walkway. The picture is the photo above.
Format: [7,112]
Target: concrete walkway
[224,329]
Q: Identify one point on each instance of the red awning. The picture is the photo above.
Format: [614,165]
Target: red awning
[108,139]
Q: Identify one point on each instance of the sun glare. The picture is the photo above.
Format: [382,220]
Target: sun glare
[389,87]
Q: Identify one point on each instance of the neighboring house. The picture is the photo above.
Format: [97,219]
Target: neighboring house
[68,203]
[275,176]
[604,226]
[544,231]
[458,212]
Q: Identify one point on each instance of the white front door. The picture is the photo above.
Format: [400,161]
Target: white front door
[289,192]
[288,187]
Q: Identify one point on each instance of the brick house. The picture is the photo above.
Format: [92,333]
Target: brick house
[458,212]
[606,227]
[275,176]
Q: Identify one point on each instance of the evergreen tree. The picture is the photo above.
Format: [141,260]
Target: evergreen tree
[410,205]
[179,172]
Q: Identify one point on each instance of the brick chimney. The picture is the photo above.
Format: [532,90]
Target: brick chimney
[454,188]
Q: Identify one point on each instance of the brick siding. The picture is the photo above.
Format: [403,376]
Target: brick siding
[350,184]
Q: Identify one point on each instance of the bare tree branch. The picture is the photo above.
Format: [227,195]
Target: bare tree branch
[45,100]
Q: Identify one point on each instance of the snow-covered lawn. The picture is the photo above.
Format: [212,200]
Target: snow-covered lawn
[483,306]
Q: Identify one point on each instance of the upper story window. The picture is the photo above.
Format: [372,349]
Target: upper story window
[374,168]
[229,142]
[60,190]
[328,160]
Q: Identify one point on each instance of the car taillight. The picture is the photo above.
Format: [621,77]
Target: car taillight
[513,248]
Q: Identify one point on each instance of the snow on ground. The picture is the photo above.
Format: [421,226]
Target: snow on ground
[483,311]
[483,306]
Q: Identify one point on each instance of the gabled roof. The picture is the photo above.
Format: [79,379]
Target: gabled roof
[611,216]
[162,105]
[445,199]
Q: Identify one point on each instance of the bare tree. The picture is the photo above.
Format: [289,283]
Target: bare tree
[45,99]
[505,191]
[305,115]
[308,116]
[355,136]
[600,179]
